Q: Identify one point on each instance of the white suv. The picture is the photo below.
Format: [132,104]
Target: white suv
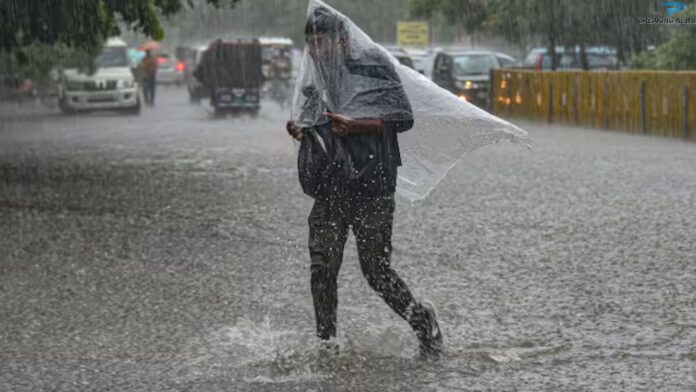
[111,87]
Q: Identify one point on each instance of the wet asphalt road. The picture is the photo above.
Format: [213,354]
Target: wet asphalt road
[167,252]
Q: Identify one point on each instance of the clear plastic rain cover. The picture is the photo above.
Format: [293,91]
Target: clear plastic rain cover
[342,75]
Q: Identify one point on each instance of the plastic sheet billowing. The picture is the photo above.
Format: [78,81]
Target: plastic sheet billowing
[345,72]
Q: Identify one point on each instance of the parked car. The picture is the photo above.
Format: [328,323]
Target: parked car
[401,54]
[170,70]
[112,86]
[598,58]
[419,57]
[424,64]
[467,73]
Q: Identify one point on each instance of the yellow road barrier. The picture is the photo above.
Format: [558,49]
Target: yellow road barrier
[648,102]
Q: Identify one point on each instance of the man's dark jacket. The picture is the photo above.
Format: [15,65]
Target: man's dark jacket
[360,164]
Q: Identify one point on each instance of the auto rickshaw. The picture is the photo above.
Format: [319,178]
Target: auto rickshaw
[231,72]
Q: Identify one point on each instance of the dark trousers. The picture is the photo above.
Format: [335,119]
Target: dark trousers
[149,85]
[371,219]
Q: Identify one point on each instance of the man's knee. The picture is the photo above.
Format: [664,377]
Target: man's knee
[319,268]
[325,248]
[377,275]
[320,255]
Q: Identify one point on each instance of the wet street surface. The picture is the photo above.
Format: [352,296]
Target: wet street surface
[167,252]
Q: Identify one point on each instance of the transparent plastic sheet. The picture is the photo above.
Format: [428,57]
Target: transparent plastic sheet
[341,77]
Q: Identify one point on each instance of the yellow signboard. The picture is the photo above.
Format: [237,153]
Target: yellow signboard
[412,33]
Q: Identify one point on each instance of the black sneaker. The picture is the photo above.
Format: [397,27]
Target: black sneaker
[328,348]
[428,333]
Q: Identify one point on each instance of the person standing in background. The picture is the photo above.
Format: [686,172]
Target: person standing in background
[148,73]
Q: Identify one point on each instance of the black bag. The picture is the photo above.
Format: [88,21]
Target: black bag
[313,165]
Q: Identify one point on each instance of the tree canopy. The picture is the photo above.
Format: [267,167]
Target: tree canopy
[81,23]
[676,53]
[466,14]
[44,31]
[570,23]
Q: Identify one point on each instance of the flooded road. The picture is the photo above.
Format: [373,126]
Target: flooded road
[167,252]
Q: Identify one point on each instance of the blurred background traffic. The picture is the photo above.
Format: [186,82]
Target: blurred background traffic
[455,43]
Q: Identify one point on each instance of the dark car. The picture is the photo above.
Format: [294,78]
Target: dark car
[231,71]
[467,73]
[598,58]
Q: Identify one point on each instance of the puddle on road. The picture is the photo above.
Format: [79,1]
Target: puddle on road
[263,353]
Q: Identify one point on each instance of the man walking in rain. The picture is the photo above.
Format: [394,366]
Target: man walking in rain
[351,109]
[148,73]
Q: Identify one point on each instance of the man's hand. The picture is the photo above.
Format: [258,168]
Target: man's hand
[293,130]
[340,125]
[344,125]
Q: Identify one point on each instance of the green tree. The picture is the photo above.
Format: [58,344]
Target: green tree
[556,23]
[37,35]
[81,23]
[282,18]
[519,20]
[677,53]
[466,15]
